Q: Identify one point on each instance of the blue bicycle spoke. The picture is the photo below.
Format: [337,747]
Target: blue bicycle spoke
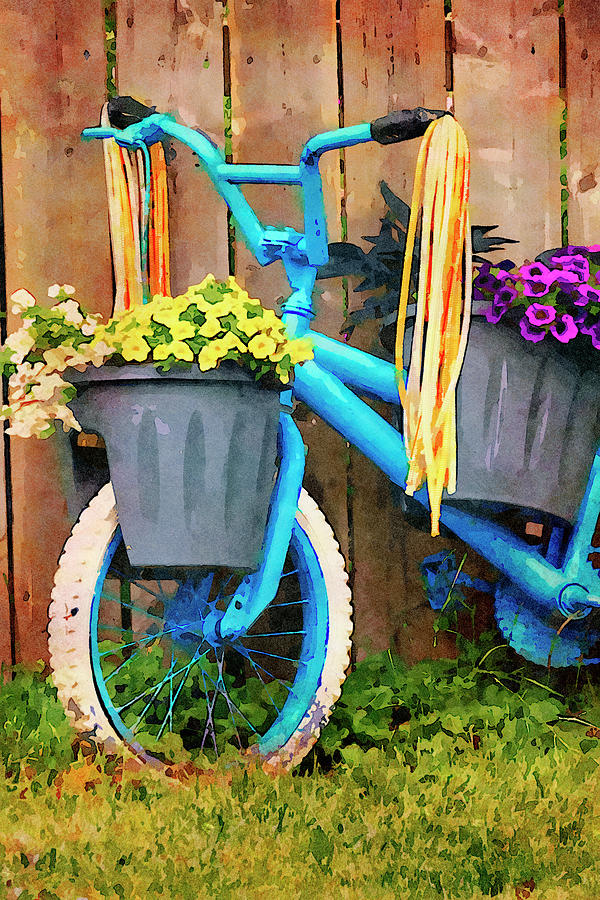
[142,587]
[149,690]
[264,685]
[246,655]
[122,666]
[272,634]
[151,637]
[226,695]
[173,699]
[274,655]
[291,603]
[120,602]
[237,709]
[157,691]
[210,705]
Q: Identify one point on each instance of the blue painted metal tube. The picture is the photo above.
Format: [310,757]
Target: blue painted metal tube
[212,159]
[315,221]
[257,590]
[349,415]
[259,174]
[508,553]
[376,438]
[576,565]
[362,371]
[335,140]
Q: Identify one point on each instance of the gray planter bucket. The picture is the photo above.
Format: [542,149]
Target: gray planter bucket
[191,457]
[528,422]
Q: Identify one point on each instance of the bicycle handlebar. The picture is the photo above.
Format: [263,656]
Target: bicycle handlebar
[144,126]
[404,124]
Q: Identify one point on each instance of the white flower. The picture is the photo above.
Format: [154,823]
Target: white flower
[88,327]
[56,290]
[57,358]
[20,342]
[47,386]
[21,300]
[70,310]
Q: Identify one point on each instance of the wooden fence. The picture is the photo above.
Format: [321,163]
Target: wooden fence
[267,74]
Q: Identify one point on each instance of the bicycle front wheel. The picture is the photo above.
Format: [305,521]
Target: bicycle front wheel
[132,663]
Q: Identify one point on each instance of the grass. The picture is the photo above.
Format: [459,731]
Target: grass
[464,778]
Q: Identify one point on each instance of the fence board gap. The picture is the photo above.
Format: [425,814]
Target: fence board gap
[393,58]
[284,90]
[582,40]
[506,94]
[171,56]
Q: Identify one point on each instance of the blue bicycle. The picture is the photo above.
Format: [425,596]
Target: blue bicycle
[176,662]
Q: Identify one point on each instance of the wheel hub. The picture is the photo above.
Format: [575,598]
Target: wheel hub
[190,617]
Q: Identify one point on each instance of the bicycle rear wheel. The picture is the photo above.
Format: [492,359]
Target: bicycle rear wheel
[132,664]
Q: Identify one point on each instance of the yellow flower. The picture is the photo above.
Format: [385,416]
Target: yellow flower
[166,315]
[261,346]
[181,330]
[209,357]
[232,342]
[221,307]
[211,327]
[271,319]
[280,352]
[300,349]
[249,327]
[283,374]
[178,349]
[134,348]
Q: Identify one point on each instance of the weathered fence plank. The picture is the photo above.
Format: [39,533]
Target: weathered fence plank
[506,90]
[393,58]
[284,90]
[582,19]
[169,55]
[53,84]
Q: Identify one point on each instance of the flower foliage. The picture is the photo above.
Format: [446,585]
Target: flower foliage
[211,322]
[556,298]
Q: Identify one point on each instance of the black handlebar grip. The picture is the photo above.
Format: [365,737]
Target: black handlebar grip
[124,111]
[404,124]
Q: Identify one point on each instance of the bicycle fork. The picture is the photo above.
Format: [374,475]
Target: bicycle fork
[258,589]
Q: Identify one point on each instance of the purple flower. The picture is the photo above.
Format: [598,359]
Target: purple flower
[537,271]
[530,332]
[535,289]
[485,281]
[537,279]
[583,293]
[566,279]
[505,296]
[502,299]
[575,265]
[594,332]
[564,329]
[538,314]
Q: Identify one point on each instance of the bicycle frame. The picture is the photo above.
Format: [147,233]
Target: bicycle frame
[330,385]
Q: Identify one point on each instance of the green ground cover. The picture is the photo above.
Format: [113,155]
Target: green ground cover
[464,778]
